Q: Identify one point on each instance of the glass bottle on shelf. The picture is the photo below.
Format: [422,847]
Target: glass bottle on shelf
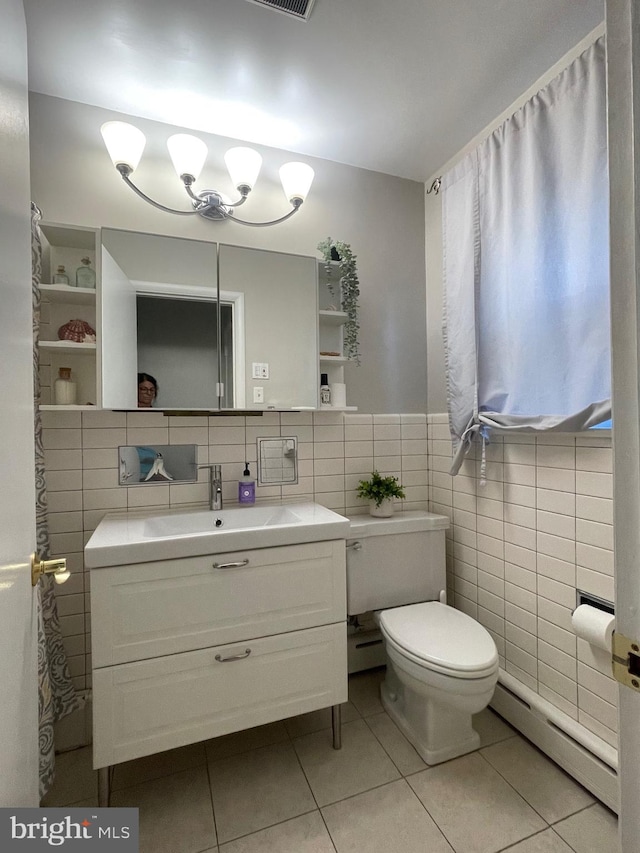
[85,275]
[61,277]
[64,388]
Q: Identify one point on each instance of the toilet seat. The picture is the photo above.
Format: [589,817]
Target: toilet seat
[441,638]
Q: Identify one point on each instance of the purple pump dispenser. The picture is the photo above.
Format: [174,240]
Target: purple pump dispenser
[246,487]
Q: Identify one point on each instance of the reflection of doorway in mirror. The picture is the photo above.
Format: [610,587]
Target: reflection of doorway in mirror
[177,343]
[232,360]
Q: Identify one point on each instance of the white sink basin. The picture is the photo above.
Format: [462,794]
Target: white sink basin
[218,521]
[123,538]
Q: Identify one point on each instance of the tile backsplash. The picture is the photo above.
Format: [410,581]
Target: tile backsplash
[520,546]
[335,451]
[517,549]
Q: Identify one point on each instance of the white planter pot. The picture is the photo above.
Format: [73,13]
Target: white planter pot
[385,510]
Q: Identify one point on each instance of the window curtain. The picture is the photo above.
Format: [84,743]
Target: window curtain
[56,694]
[526,266]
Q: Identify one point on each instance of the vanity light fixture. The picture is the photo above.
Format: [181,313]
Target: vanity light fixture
[125,144]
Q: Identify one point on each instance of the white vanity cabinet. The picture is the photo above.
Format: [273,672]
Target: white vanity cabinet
[190,649]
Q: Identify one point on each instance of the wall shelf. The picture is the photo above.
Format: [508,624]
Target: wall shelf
[68,347]
[333,318]
[333,359]
[67,294]
[50,407]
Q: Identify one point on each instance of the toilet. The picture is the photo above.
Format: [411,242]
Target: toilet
[442,665]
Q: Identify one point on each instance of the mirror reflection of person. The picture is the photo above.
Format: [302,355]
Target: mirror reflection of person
[147,390]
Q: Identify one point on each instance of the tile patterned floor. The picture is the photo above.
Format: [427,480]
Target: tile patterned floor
[282,788]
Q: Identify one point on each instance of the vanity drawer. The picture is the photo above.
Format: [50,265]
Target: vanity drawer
[149,706]
[158,608]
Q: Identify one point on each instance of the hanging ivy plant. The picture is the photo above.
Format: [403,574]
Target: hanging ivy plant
[349,290]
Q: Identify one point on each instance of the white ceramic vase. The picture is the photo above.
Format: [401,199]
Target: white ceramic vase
[384,510]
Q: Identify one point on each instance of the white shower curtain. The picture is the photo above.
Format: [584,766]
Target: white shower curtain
[526,266]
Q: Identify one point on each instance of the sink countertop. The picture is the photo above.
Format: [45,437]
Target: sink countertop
[143,536]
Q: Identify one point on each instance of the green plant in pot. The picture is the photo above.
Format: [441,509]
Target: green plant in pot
[380,492]
[337,250]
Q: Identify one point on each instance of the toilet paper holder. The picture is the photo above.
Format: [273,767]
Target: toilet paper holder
[594,601]
[625,653]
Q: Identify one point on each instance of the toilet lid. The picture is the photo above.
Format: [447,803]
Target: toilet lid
[439,635]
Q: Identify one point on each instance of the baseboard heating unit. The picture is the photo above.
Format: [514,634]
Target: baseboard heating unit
[585,756]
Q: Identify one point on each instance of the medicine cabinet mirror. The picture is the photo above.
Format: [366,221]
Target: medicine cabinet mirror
[218,326]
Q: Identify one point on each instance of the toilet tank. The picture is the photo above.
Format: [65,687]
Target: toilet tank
[395,561]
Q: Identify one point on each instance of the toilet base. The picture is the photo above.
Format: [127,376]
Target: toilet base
[437,732]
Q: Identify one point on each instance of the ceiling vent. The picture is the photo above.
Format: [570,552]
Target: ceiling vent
[300,9]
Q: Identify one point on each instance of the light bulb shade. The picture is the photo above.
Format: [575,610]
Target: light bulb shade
[125,143]
[188,154]
[296,180]
[243,165]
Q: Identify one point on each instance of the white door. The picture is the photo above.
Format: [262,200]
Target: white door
[18,674]
[623,58]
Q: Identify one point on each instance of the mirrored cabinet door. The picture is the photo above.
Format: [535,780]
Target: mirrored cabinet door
[159,317]
[269,314]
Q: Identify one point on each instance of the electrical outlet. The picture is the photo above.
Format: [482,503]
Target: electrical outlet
[258,394]
[259,370]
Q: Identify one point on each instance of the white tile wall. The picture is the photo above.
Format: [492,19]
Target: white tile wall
[335,451]
[519,547]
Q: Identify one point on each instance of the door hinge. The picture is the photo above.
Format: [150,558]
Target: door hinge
[625,661]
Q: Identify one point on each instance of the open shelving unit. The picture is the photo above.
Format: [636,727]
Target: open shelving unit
[331,322]
[66,245]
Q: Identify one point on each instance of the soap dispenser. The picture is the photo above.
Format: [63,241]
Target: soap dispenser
[246,487]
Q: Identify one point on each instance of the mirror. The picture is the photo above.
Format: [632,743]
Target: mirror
[161,463]
[277,335]
[224,327]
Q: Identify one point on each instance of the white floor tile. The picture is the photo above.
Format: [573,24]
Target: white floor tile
[175,812]
[304,834]
[593,830]
[257,789]
[333,774]
[547,788]
[474,807]
[390,818]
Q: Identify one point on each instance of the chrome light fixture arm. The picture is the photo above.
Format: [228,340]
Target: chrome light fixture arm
[188,181]
[296,202]
[125,171]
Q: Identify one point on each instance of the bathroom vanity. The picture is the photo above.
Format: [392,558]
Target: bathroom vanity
[194,637]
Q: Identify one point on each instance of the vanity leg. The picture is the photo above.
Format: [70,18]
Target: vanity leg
[336,723]
[104,784]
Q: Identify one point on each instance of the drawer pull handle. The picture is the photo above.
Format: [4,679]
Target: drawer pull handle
[354,546]
[241,656]
[237,565]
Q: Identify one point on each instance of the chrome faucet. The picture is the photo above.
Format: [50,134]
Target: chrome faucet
[215,486]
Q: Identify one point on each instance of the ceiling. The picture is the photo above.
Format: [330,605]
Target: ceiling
[396,86]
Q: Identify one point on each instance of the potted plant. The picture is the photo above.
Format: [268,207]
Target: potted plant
[380,492]
[333,250]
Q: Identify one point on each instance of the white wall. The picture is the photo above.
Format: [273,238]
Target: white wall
[382,217]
